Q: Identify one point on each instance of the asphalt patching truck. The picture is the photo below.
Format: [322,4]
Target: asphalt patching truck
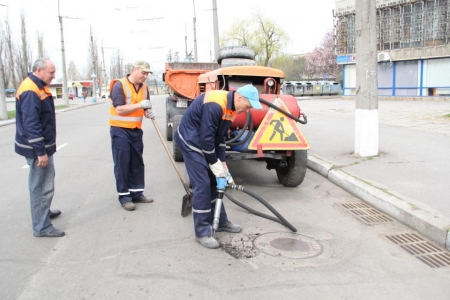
[271,134]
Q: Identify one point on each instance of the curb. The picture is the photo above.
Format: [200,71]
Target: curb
[410,212]
[13,121]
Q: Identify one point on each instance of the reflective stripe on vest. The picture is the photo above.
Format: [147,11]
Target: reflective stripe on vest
[133,119]
[220,97]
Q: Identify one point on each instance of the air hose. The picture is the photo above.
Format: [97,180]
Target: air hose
[285,112]
[280,219]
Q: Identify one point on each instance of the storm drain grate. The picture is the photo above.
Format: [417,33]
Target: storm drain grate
[365,213]
[423,250]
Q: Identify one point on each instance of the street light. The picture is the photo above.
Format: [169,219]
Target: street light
[94,89]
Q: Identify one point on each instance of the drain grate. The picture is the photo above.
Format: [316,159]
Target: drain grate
[365,213]
[423,250]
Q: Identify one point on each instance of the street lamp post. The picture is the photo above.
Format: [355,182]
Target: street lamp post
[65,96]
[94,84]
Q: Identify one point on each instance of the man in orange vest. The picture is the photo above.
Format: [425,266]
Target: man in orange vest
[130,102]
[36,141]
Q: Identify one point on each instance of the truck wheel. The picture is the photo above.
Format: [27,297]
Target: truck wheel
[170,106]
[168,129]
[229,62]
[235,52]
[293,174]
[177,154]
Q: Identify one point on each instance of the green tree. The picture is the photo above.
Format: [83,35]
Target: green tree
[293,68]
[259,33]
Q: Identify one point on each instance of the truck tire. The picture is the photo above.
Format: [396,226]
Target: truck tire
[293,174]
[177,154]
[235,52]
[170,105]
[229,62]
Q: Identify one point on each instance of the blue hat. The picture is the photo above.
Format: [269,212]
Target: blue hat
[251,93]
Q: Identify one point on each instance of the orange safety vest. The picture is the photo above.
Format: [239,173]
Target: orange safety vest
[220,97]
[29,85]
[133,119]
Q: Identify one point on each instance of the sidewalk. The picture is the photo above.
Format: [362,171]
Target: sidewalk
[74,104]
[409,179]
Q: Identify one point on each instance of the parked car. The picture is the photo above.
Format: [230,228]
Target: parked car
[70,96]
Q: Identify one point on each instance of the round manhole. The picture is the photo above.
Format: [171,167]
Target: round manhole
[289,245]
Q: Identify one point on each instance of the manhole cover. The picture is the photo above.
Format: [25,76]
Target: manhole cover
[289,245]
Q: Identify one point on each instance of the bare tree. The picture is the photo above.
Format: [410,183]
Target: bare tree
[72,71]
[40,43]
[24,63]
[116,65]
[10,55]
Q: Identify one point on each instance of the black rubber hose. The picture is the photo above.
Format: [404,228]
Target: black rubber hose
[247,136]
[280,219]
[285,112]
[247,120]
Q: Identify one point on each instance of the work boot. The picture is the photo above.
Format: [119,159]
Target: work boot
[143,199]
[129,205]
[208,242]
[229,227]
[54,233]
[54,213]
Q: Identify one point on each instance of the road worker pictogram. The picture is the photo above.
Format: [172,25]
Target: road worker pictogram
[278,132]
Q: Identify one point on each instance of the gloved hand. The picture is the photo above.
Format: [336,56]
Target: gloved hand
[218,169]
[221,183]
[149,113]
[230,179]
[145,104]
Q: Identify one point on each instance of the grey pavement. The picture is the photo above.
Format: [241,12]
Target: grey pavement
[150,253]
[409,179]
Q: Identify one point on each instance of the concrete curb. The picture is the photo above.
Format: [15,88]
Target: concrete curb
[13,121]
[413,213]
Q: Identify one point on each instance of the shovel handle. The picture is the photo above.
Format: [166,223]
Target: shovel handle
[186,187]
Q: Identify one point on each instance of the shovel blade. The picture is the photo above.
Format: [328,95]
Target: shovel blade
[186,205]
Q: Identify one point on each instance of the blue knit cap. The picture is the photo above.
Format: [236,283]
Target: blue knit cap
[251,93]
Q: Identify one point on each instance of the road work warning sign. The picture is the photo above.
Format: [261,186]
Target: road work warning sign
[278,132]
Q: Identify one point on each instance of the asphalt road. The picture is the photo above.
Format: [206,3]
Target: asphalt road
[150,253]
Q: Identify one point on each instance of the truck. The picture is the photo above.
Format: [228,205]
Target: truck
[285,151]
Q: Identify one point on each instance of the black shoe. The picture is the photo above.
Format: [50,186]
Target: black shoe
[54,233]
[54,213]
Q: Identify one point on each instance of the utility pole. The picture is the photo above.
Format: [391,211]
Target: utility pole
[195,35]
[65,96]
[104,74]
[366,114]
[185,40]
[93,75]
[216,29]
[3,106]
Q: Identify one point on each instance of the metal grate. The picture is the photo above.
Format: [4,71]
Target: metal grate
[365,213]
[423,250]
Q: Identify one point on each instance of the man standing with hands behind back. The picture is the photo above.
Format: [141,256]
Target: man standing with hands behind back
[36,140]
[130,103]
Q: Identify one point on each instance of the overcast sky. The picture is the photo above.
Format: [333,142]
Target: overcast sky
[115,25]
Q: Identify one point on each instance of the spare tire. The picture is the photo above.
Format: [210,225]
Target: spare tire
[235,52]
[229,62]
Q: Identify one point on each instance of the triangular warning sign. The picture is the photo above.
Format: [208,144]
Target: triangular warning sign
[278,132]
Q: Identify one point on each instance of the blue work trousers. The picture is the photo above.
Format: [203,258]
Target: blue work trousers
[127,149]
[204,190]
[41,184]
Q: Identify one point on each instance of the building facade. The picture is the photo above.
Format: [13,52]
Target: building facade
[413,41]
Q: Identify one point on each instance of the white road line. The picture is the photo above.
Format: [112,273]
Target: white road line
[57,148]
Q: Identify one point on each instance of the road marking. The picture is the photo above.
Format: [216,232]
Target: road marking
[57,148]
